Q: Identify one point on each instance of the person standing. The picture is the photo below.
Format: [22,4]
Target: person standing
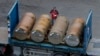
[54,13]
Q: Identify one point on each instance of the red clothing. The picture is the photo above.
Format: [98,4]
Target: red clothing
[54,13]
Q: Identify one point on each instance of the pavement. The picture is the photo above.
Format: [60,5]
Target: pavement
[69,8]
[3,35]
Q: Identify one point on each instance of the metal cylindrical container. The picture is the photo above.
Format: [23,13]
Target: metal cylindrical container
[73,37]
[24,27]
[41,27]
[58,30]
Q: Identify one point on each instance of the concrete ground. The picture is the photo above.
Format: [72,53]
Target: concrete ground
[69,8]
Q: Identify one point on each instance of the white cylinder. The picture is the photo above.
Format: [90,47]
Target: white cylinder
[73,37]
[41,27]
[58,30]
[24,27]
